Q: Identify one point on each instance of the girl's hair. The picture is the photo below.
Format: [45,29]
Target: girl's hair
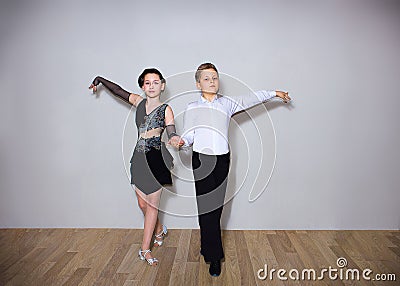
[147,71]
[202,67]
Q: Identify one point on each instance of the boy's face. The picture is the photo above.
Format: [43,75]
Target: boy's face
[209,81]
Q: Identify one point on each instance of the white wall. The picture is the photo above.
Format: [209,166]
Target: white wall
[62,149]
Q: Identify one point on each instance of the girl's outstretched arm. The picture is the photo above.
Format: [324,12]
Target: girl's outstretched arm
[118,91]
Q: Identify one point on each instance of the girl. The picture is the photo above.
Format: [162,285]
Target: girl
[151,161]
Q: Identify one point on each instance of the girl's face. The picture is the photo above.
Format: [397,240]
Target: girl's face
[152,85]
[209,81]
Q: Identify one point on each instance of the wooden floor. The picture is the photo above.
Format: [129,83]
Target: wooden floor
[109,257]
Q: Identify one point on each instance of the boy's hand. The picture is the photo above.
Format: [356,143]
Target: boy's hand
[284,96]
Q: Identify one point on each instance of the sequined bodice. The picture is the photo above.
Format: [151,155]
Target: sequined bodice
[149,124]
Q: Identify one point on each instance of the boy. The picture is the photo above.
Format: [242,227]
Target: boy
[206,124]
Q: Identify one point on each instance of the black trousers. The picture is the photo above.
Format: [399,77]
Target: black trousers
[210,174]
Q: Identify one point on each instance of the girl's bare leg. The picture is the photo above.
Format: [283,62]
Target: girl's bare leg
[141,197]
[149,205]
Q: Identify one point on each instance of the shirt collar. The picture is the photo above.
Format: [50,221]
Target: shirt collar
[203,100]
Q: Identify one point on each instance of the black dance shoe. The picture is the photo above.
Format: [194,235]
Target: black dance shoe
[215,268]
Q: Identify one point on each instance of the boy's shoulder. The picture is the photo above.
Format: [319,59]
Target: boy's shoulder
[193,104]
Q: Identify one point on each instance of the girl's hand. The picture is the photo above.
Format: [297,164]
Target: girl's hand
[93,88]
[94,84]
[176,141]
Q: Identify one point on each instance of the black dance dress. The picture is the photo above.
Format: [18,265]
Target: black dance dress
[151,161]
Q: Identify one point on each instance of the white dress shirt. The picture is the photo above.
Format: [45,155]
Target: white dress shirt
[206,123]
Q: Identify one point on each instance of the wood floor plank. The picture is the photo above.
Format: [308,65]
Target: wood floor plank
[245,265]
[131,283]
[83,245]
[164,268]
[60,241]
[395,239]
[133,236]
[395,250]
[191,273]
[324,240]
[100,255]
[50,275]
[182,247]
[22,243]
[278,251]
[131,262]
[231,271]
[179,264]
[308,251]
[109,272]
[285,242]
[361,246]
[178,272]
[148,275]
[173,237]
[194,248]
[109,256]
[341,253]
[204,278]
[22,266]
[285,255]
[8,237]
[261,256]
[375,245]
[32,278]
[76,277]
[351,247]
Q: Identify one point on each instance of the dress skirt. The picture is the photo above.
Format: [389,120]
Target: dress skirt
[149,171]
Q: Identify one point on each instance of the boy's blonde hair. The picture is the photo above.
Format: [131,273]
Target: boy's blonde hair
[202,67]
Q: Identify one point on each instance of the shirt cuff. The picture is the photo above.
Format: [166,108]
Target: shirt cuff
[186,142]
[264,95]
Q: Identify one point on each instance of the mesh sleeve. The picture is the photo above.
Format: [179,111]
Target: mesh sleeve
[171,131]
[113,87]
